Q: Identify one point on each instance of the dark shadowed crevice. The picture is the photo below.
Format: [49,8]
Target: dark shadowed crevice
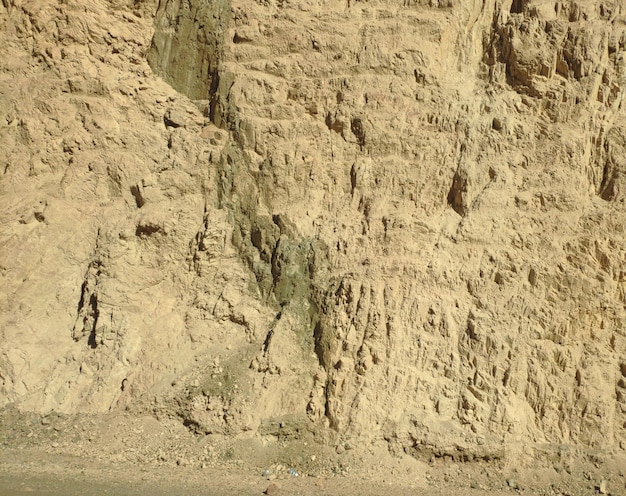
[607,187]
[517,6]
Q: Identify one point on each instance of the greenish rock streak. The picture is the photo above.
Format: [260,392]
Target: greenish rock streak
[187,45]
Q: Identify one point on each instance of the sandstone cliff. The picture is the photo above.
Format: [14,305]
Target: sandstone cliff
[372,220]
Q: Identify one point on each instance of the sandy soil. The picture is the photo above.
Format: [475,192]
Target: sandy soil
[124,455]
[35,473]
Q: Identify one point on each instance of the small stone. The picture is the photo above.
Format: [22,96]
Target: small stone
[174,118]
[340,449]
[114,32]
[126,90]
[179,117]
[273,488]
[511,483]
[602,488]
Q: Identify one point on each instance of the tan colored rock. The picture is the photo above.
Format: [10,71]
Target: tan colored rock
[272,488]
[403,223]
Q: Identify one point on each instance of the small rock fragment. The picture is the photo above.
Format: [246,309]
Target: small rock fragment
[272,488]
[602,488]
[511,483]
[182,117]
[174,118]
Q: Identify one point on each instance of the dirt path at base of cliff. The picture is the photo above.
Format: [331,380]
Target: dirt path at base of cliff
[127,455]
[35,472]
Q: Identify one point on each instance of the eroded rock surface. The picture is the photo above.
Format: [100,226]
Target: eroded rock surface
[382,220]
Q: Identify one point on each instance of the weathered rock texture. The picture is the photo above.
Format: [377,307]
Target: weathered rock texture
[398,220]
[188,43]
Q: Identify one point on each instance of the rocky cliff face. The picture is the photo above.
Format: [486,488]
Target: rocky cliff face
[374,220]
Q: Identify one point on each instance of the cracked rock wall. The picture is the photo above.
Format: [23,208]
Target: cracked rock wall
[382,220]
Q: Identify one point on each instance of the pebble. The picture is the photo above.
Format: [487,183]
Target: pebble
[273,488]
[340,449]
[602,488]
[114,32]
[511,483]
